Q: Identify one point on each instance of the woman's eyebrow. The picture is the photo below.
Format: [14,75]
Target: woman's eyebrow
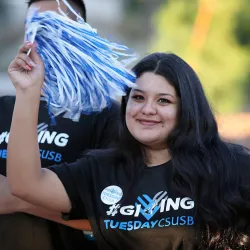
[139,90]
[159,94]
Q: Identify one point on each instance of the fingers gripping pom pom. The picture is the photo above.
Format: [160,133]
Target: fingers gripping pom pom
[83,71]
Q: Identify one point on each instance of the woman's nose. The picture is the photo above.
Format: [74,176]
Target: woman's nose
[149,109]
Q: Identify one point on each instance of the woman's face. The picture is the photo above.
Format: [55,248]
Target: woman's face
[152,108]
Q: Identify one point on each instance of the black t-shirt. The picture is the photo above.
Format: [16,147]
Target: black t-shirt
[144,214]
[64,142]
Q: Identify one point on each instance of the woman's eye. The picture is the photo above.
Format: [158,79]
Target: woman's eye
[138,97]
[163,101]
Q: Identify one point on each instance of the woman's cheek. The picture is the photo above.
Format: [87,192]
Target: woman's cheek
[132,108]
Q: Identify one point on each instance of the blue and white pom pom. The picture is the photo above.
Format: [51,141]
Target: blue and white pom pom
[83,72]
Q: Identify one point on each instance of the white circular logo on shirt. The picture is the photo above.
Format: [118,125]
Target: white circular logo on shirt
[111,195]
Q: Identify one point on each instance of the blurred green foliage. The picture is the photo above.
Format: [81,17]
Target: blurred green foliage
[223,61]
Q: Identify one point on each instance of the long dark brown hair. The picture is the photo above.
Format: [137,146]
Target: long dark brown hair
[205,166]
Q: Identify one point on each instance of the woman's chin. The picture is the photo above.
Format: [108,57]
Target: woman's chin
[151,142]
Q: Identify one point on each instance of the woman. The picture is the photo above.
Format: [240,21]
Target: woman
[170,183]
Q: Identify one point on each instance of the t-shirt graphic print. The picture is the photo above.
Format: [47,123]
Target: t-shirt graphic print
[146,212]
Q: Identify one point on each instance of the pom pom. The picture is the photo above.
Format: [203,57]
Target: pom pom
[83,72]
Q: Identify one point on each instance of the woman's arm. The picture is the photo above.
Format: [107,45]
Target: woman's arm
[27,180]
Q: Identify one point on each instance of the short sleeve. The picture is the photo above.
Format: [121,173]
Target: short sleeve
[106,126]
[75,179]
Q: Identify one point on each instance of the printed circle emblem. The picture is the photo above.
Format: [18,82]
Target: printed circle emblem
[111,195]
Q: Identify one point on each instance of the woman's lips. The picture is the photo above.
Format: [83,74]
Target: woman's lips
[148,122]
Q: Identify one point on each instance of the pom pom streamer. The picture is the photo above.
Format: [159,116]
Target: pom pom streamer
[83,71]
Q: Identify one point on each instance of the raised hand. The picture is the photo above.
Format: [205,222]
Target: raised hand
[27,71]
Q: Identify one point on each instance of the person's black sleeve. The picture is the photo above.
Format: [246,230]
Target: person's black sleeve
[74,178]
[106,126]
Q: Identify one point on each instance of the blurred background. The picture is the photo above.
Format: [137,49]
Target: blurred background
[211,35]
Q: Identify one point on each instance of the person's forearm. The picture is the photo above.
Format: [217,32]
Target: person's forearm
[56,217]
[10,204]
[23,161]
[14,204]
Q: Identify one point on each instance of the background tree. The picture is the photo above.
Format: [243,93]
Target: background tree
[213,36]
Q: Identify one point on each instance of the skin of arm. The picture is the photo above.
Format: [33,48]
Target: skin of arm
[27,180]
[11,204]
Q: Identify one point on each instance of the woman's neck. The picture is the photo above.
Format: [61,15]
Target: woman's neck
[157,156]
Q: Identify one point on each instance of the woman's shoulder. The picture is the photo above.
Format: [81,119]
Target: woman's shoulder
[93,162]
[102,157]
